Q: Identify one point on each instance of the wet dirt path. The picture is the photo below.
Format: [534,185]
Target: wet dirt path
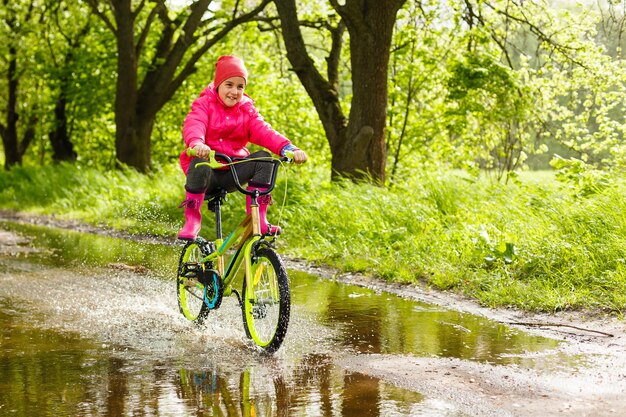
[368,350]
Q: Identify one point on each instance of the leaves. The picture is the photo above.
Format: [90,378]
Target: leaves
[583,179]
[494,86]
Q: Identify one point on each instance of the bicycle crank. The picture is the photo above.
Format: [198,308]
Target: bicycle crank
[213,288]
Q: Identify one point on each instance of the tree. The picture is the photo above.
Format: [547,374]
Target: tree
[16,18]
[63,61]
[510,85]
[171,47]
[357,143]
[561,88]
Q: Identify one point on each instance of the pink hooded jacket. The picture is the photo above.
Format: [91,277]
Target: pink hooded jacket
[226,129]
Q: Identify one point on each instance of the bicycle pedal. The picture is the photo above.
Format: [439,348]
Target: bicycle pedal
[191,270]
[207,276]
[269,239]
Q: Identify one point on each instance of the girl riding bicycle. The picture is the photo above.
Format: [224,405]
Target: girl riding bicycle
[225,120]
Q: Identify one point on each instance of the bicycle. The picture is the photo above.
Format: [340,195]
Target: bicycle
[203,279]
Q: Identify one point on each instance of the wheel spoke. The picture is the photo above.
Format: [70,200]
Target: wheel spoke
[193,294]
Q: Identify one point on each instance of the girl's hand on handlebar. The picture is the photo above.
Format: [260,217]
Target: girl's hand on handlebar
[202,151]
[299,156]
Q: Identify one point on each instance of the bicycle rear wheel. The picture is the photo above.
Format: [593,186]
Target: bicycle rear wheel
[189,289]
[266,305]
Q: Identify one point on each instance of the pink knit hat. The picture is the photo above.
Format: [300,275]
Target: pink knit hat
[229,66]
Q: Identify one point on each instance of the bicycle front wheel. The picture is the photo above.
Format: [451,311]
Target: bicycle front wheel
[189,289]
[266,303]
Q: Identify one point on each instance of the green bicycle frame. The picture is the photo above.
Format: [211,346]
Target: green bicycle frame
[247,233]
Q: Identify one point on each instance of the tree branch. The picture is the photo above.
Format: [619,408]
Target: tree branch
[157,9]
[352,14]
[525,323]
[332,61]
[29,135]
[163,76]
[96,10]
[339,8]
[234,15]
[538,32]
[139,8]
[323,94]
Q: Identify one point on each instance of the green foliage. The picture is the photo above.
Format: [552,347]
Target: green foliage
[277,93]
[582,178]
[500,94]
[533,245]
[474,72]
[504,251]
[493,95]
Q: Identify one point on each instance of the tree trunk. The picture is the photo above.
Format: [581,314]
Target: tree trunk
[59,134]
[62,147]
[322,92]
[131,148]
[12,154]
[358,147]
[364,149]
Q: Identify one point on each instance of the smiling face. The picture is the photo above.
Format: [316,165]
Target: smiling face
[231,90]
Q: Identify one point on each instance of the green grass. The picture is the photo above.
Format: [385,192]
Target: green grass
[117,199]
[533,245]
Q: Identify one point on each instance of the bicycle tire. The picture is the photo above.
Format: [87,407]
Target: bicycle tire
[189,290]
[266,319]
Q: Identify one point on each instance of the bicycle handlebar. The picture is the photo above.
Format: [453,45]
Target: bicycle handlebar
[230,163]
[215,164]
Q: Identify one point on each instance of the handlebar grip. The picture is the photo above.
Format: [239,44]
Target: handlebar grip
[213,163]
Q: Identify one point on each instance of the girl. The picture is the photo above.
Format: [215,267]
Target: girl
[224,119]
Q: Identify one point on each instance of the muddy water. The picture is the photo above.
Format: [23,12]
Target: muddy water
[90,326]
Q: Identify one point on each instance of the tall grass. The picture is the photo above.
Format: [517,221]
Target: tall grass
[533,245]
[118,199]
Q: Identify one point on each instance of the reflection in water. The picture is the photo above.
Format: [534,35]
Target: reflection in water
[384,323]
[68,248]
[46,373]
[314,389]
[39,367]
[366,321]
[360,390]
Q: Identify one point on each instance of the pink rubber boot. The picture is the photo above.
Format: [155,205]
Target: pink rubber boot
[193,216]
[264,201]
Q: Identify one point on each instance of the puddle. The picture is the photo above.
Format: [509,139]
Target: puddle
[63,248]
[371,322]
[83,336]
[51,373]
